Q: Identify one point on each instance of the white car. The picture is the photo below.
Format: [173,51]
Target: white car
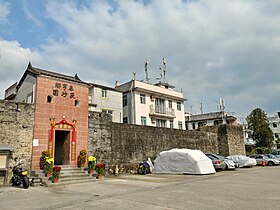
[243,161]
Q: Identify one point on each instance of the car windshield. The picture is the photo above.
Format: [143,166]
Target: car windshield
[211,157]
[271,156]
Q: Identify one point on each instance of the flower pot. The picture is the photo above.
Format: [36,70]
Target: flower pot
[55,180]
[100,176]
[48,174]
[91,171]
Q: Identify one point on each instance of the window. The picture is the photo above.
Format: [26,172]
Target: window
[76,103]
[107,111]
[180,125]
[169,103]
[142,98]
[104,93]
[179,106]
[187,126]
[193,126]
[49,99]
[125,100]
[143,120]
[125,120]
[161,123]
[171,124]
[90,99]
[29,98]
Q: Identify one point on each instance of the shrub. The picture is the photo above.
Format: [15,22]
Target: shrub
[100,168]
[82,158]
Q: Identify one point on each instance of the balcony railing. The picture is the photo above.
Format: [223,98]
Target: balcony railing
[162,111]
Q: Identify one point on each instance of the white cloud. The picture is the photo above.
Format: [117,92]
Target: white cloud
[214,49]
[13,62]
[29,14]
[4,11]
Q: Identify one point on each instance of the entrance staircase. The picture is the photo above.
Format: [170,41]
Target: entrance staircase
[68,175]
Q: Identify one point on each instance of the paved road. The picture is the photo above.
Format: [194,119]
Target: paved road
[255,188]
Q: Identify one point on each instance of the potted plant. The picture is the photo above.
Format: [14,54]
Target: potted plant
[44,155]
[100,169]
[82,158]
[91,164]
[55,173]
[48,165]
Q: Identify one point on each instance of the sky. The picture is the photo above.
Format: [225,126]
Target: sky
[213,48]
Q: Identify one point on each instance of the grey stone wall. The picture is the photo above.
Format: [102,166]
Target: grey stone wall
[114,143]
[229,137]
[16,129]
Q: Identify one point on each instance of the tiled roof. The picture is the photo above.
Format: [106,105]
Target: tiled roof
[37,72]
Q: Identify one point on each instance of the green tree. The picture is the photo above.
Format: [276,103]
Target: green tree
[258,123]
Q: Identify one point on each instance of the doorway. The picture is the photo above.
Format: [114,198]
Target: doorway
[62,147]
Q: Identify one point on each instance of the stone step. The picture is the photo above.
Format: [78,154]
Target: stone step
[72,181]
[68,174]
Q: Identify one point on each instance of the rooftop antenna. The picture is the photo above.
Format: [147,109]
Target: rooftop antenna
[222,108]
[201,108]
[160,70]
[222,104]
[146,70]
[164,68]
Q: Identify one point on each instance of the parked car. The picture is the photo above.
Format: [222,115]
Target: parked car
[243,161]
[230,165]
[218,164]
[276,152]
[268,161]
[277,157]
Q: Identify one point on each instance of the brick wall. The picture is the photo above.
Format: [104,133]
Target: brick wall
[60,106]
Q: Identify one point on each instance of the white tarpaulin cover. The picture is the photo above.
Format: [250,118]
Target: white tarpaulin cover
[243,161]
[179,161]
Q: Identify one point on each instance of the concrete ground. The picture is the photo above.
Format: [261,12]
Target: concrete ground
[248,188]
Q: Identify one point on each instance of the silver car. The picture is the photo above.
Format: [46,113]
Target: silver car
[260,158]
[277,157]
[230,165]
[219,164]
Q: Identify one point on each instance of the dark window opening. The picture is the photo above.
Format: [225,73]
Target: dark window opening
[125,100]
[193,125]
[49,99]
[76,103]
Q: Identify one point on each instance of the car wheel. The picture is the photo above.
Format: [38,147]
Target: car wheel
[270,163]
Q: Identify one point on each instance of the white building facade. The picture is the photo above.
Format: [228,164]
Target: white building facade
[158,105]
[107,100]
[274,124]
[209,119]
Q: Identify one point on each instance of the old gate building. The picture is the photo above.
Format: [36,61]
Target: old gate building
[61,113]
